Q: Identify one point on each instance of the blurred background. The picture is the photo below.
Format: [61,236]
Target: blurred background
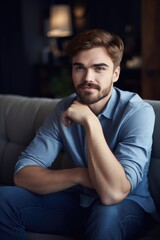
[34,33]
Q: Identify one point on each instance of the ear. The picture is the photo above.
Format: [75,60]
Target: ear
[116,74]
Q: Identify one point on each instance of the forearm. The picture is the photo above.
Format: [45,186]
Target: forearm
[42,181]
[106,173]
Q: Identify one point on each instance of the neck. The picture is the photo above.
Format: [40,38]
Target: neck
[98,107]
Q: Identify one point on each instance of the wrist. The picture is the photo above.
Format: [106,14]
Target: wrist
[82,176]
[92,123]
[78,175]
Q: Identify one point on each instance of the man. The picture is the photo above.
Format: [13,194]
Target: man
[107,133]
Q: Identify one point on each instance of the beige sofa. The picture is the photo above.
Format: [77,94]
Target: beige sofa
[20,117]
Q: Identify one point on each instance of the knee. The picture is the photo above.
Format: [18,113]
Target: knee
[6,200]
[8,192]
[102,216]
[107,213]
[11,196]
[104,222]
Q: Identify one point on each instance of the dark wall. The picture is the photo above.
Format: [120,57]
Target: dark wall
[114,15]
[22,39]
[15,70]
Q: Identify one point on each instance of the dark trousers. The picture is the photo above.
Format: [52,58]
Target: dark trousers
[61,214]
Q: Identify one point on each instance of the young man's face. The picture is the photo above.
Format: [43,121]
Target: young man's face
[93,75]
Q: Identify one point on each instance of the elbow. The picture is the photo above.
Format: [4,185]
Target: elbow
[16,180]
[110,200]
[114,195]
[19,178]
[113,198]
[20,182]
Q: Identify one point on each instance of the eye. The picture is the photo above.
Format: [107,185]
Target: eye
[100,68]
[79,68]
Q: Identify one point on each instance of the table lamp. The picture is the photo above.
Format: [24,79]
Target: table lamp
[60,27]
[60,23]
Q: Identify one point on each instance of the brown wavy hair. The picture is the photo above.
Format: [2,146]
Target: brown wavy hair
[97,38]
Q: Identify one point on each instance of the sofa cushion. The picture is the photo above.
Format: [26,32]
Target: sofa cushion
[20,117]
[154,170]
[154,181]
[40,236]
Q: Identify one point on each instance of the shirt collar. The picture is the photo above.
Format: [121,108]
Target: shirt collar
[111,105]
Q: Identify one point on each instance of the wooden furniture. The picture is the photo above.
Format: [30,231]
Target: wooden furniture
[150,49]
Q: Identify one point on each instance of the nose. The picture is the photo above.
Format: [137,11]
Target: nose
[89,77]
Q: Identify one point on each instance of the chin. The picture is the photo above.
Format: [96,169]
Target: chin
[89,100]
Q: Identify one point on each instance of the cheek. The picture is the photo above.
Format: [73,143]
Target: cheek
[77,78]
[105,80]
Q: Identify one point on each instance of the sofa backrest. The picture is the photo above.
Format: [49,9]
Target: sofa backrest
[20,117]
[154,170]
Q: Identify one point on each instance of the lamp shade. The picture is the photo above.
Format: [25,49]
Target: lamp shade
[60,23]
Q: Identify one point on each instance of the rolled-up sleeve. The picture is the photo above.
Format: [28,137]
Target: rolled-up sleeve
[45,146]
[135,142]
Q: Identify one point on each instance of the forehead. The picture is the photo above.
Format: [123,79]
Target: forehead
[93,56]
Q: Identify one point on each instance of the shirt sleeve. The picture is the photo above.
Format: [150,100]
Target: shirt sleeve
[135,142]
[45,146]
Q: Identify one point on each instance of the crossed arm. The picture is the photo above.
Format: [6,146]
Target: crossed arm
[104,173]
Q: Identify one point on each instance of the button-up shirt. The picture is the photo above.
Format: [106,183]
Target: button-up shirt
[127,122]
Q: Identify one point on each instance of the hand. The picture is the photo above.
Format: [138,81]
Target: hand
[78,113]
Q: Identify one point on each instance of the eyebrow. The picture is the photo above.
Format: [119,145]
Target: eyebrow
[94,65]
[100,65]
[77,64]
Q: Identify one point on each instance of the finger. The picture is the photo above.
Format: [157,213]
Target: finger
[66,121]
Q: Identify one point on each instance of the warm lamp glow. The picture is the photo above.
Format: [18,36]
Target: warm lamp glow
[60,21]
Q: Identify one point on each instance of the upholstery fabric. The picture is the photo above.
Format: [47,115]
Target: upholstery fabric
[20,118]
[154,172]
[32,236]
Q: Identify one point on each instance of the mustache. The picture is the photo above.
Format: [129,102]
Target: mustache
[88,84]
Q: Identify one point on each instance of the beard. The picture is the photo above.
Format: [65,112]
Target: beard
[87,97]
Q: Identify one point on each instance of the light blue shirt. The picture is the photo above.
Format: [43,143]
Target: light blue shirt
[127,123]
